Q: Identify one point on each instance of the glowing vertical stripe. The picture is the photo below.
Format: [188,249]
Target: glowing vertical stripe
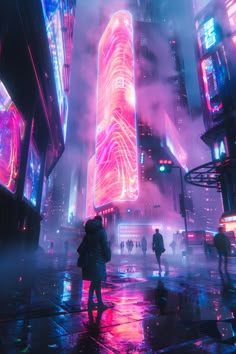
[90,188]
[116,145]
[12,130]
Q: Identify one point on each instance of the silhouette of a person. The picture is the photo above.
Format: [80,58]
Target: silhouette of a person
[222,245]
[158,246]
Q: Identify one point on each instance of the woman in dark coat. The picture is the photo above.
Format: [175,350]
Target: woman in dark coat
[95,251]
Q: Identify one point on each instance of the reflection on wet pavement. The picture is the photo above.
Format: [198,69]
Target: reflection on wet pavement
[191,309]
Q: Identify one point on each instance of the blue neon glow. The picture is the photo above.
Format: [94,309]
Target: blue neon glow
[52,16]
[32,174]
[209,33]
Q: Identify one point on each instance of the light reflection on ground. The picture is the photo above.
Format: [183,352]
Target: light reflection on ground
[43,307]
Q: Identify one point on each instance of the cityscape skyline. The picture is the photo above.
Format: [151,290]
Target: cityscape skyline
[87,141]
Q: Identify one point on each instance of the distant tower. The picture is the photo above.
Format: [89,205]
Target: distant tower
[116,162]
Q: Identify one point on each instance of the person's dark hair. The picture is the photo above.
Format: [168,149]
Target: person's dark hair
[91,226]
[98,218]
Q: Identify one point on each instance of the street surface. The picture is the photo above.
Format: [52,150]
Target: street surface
[44,306]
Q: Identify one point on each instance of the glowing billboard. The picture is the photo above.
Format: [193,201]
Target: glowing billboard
[116,161]
[12,131]
[212,75]
[208,35]
[52,11]
[32,174]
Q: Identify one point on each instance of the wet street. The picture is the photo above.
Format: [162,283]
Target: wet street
[188,308]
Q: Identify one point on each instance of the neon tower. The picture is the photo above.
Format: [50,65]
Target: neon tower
[116,163]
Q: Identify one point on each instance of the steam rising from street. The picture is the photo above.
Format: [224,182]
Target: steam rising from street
[153,100]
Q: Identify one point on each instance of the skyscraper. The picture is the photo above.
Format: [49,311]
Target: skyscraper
[116,166]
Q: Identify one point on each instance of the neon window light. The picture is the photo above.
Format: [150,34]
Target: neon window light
[116,161]
[32,174]
[12,132]
[212,92]
[209,33]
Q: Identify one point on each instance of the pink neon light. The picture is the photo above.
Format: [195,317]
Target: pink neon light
[231,12]
[90,188]
[205,63]
[12,129]
[173,142]
[116,146]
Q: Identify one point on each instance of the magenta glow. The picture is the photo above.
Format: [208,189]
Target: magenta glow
[116,146]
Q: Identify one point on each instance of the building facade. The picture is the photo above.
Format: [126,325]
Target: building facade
[215,32]
[36,42]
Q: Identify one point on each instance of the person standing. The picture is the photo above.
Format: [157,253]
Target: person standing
[96,248]
[144,245]
[158,247]
[222,245]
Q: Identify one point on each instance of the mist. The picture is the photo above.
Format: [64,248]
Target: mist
[153,98]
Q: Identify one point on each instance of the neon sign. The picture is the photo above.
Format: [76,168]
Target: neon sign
[53,23]
[12,131]
[220,149]
[209,33]
[116,161]
[32,174]
[208,37]
[211,88]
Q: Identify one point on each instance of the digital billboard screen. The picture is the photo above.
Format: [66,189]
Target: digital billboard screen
[213,80]
[12,131]
[32,174]
[116,161]
[52,11]
[208,34]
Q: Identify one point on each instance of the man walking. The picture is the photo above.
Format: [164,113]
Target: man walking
[158,247]
[222,245]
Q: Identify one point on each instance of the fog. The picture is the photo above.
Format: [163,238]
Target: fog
[153,98]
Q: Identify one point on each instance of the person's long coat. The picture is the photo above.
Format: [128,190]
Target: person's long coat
[95,244]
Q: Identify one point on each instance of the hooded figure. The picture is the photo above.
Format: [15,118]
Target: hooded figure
[94,252]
